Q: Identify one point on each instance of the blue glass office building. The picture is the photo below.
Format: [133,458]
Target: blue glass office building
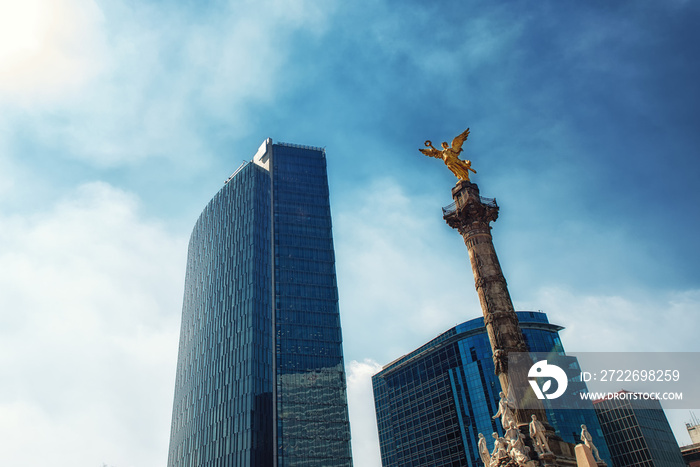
[432,403]
[260,374]
[638,433]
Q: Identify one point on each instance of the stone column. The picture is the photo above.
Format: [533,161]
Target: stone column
[471,215]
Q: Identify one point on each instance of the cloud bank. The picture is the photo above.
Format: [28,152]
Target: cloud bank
[87,332]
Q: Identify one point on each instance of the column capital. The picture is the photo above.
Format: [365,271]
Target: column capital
[470,213]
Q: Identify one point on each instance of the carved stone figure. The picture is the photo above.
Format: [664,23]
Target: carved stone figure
[500,450]
[484,451]
[538,435]
[505,411]
[519,455]
[512,433]
[588,441]
[449,155]
[516,445]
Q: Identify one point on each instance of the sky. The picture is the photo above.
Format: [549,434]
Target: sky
[119,120]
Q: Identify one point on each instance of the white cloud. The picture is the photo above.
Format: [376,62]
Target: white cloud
[363,421]
[7,173]
[400,284]
[48,49]
[651,321]
[89,312]
[141,76]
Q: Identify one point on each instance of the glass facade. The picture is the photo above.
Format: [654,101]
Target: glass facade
[260,376]
[638,433]
[432,403]
[311,407]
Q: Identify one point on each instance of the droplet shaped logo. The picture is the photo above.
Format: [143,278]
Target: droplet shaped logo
[542,369]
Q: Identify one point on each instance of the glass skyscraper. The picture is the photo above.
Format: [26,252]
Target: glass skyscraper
[260,374]
[637,432]
[432,403]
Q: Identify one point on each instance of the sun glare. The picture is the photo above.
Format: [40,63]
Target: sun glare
[48,48]
[23,26]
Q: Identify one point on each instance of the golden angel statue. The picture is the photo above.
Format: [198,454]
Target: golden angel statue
[449,155]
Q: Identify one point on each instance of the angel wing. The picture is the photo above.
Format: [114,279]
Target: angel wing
[432,152]
[459,141]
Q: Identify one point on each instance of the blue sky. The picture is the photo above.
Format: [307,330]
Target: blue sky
[120,120]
